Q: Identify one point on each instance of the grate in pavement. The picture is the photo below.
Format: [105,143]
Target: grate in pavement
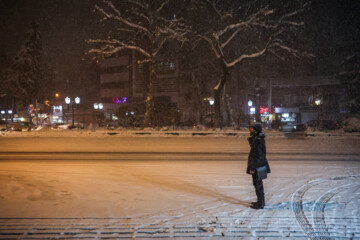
[127,228]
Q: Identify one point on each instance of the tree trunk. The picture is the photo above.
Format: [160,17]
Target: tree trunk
[229,110]
[198,105]
[217,95]
[149,102]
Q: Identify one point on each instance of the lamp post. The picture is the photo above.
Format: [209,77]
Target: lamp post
[212,101]
[6,113]
[250,104]
[97,114]
[76,101]
[3,113]
[318,103]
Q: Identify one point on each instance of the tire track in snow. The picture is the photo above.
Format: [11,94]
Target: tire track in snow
[319,208]
[297,207]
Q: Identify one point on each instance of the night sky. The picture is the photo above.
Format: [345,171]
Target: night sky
[65,25]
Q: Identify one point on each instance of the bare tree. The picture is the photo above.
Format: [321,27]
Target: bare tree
[237,31]
[143,26]
[350,77]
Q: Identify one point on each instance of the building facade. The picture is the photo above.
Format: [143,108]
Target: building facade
[123,85]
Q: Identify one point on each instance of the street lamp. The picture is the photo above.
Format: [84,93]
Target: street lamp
[211,102]
[251,110]
[318,103]
[4,112]
[98,106]
[98,115]
[68,101]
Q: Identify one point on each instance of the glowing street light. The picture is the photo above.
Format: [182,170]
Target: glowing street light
[318,102]
[98,106]
[68,101]
[4,112]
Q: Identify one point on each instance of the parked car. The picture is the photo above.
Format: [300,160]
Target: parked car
[60,126]
[324,124]
[22,126]
[291,127]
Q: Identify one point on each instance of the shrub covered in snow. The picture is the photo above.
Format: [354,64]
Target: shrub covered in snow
[352,124]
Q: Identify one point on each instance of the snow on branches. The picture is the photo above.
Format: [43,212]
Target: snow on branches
[251,30]
[137,25]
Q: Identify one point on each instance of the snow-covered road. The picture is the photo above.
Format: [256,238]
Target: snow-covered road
[43,199]
[278,148]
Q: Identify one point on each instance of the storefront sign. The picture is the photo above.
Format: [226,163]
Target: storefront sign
[264,110]
[57,111]
[119,100]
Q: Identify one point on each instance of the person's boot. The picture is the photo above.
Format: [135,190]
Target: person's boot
[261,198]
[257,206]
[261,203]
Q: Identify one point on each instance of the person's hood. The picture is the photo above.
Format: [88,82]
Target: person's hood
[262,135]
[257,127]
[257,134]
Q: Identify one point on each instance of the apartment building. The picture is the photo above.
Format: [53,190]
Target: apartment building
[123,84]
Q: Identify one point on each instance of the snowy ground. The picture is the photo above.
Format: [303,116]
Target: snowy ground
[164,187]
[153,199]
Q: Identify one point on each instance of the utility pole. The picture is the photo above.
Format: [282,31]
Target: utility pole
[270,94]
[36,112]
[269,102]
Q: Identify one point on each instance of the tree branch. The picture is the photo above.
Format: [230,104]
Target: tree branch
[113,49]
[123,20]
[162,6]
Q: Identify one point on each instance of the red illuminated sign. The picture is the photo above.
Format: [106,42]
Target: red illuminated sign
[264,110]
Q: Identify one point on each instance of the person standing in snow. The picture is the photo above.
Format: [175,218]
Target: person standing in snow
[256,160]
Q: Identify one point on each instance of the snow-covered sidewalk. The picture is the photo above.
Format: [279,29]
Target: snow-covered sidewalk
[182,199]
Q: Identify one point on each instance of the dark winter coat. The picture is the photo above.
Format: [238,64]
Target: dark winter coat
[257,155]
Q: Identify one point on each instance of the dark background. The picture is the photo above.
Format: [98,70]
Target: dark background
[331,34]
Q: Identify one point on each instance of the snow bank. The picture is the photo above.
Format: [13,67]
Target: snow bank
[352,124]
[164,132]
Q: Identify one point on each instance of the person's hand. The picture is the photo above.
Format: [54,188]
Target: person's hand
[251,172]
